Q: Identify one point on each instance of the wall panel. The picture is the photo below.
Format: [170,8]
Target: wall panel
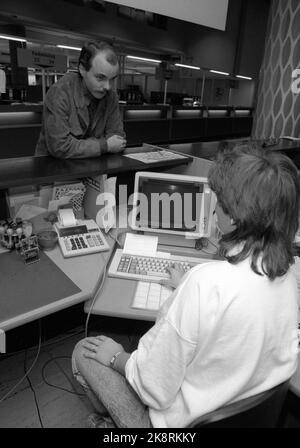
[278,107]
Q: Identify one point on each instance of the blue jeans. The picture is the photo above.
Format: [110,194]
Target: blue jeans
[109,392]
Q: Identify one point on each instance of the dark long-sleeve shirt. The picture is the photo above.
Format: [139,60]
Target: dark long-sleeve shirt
[69,129]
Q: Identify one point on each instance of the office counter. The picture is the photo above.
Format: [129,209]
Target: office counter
[20,125]
[208,150]
[46,169]
[22,171]
[36,170]
[203,150]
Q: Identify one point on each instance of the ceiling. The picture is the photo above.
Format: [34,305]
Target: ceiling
[43,38]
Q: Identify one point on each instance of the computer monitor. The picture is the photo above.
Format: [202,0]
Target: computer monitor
[172,205]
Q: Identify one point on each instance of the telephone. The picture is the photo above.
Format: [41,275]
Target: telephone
[78,237]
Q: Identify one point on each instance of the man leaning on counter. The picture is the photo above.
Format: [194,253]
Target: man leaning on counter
[81,116]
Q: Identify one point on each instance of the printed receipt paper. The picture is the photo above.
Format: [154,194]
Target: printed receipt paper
[140,245]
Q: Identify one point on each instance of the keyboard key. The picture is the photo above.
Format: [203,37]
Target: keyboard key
[150,296]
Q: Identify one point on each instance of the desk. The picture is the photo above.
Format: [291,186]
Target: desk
[110,302]
[117,294]
[84,271]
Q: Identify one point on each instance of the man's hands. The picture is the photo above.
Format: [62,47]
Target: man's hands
[176,274]
[101,348]
[115,144]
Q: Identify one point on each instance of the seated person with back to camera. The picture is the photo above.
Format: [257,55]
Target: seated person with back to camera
[81,116]
[229,329]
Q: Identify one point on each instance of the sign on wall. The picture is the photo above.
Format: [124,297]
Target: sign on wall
[42,59]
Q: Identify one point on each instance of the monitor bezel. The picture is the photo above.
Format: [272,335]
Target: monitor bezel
[197,233]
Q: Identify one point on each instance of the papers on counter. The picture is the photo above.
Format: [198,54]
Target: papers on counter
[143,245]
[27,212]
[155,156]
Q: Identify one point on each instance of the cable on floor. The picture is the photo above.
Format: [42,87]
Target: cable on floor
[26,372]
[31,386]
[64,373]
[54,385]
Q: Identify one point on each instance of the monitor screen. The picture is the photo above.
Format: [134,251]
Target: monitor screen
[172,204]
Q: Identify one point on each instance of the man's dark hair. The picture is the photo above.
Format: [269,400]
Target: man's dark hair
[259,190]
[91,49]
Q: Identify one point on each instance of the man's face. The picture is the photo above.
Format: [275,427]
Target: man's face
[101,76]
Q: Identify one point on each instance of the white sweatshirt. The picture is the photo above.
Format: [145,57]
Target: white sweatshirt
[224,334]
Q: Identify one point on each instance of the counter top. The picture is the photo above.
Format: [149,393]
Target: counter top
[23,171]
[208,150]
[40,170]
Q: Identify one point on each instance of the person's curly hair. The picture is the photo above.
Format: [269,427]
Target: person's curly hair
[259,190]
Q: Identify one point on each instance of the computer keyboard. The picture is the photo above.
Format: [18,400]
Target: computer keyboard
[150,296]
[150,269]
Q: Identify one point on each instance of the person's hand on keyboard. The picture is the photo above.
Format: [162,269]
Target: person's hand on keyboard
[176,273]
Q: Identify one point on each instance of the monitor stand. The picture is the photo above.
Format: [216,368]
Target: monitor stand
[179,245]
[174,241]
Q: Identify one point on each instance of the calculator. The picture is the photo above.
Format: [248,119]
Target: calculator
[81,239]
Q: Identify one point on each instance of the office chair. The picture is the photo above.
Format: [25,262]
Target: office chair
[260,411]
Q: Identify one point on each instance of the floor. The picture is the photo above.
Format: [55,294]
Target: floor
[49,397]
[54,406]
